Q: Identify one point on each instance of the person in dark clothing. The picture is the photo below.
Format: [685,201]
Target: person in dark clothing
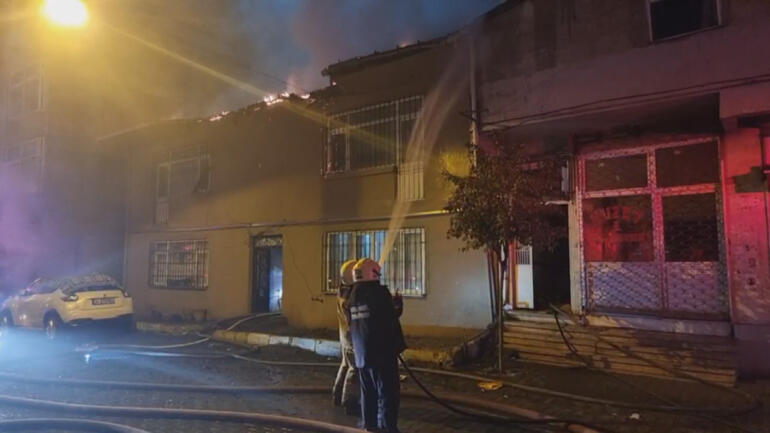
[377,342]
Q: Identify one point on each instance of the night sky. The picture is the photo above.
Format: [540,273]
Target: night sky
[277,45]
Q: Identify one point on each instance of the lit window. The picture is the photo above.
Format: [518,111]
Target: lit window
[371,137]
[179,264]
[670,18]
[404,269]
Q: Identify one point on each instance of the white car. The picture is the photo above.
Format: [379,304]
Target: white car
[51,304]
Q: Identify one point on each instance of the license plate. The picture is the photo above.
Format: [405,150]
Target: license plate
[102,301]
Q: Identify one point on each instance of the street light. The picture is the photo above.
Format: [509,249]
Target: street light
[66,13]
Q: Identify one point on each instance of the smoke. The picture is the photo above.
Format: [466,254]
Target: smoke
[273,46]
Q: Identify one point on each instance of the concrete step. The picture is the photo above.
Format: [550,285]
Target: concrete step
[708,357]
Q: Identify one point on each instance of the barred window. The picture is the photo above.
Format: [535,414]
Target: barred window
[370,137]
[403,271]
[25,91]
[179,264]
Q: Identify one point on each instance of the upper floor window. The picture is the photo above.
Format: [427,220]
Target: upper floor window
[22,163]
[178,179]
[371,137]
[670,18]
[26,91]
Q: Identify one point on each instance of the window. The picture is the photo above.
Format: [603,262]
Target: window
[404,269]
[179,264]
[688,165]
[618,229]
[25,91]
[690,228]
[22,163]
[176,182]
[616,173]
[371,137]
[677,17]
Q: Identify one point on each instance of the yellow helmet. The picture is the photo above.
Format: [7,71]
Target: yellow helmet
[366,270]
[346,272]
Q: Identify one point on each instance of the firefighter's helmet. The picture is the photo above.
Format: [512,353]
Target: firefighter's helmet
[366,270]
[346,272]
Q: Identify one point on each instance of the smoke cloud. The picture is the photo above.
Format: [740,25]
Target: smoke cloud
[280,45]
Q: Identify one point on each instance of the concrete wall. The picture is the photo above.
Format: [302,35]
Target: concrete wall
[582,65]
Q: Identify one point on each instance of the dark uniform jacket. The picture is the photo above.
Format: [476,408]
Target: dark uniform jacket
[374,326]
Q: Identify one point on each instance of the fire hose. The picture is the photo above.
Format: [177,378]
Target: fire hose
[26,425]
[445,400]
[754,403]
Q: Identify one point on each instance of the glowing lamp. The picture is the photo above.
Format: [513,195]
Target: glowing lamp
[66,13]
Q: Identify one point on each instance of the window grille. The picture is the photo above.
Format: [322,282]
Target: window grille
[371,137]
[403,271]
[22,163]
[179,264]
[26,91]
[410,182]
[652,242]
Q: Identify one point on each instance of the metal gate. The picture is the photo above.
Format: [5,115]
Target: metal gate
[651,230]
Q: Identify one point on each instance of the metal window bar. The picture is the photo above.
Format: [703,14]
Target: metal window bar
[403,271]
[372,136]
[179,264]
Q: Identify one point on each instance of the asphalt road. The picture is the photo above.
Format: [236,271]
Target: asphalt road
[27,353]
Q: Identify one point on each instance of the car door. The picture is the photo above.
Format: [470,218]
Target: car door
[21,306]
[33,305]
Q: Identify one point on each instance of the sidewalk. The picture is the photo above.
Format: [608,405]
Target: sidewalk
[274,330]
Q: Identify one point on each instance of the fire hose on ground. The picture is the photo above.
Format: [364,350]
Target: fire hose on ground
[445,400]
[753,404]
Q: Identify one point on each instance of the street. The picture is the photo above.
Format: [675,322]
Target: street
[28,354]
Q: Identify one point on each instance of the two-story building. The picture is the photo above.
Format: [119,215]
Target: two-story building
[663,106]
[255,210]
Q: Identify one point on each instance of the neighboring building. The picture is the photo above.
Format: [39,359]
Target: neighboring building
[664,106]
[256,210]
[60,210]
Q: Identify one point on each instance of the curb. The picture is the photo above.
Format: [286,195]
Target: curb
[329,348]
[170,328]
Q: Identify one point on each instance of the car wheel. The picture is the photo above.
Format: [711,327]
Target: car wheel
[52,325]
[6,320]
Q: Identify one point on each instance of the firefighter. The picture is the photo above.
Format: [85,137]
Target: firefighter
[377,342]
[344,392]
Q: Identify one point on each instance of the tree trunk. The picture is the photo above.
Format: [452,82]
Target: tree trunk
[503,261]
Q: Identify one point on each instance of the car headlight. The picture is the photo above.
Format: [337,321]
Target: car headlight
[70,298]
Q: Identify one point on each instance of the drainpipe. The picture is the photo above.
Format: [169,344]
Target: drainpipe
[764,137]
[474,131]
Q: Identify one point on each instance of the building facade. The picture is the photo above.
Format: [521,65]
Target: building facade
[255,210]
[662,107]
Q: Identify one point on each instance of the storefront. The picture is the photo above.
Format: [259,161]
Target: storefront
[651,230]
